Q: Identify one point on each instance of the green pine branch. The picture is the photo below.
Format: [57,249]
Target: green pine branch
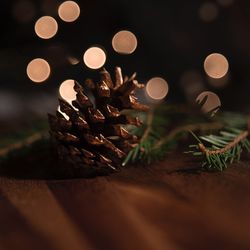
[158,136]
[22,143]
[221,150]
[23,138]
[150,133]
[163,128]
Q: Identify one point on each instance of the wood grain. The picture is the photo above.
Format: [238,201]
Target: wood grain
[166,206]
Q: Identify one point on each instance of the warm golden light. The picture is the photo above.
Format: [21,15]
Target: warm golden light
[67,91]
[209,101]
[124,42]
[73,60]
[94,58]
[46,27]
[38,70]
[216,65]
[69,11]
[65,116]
[208,12]
[157,88]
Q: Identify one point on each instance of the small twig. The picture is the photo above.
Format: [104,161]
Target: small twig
[176,108]
[26,142]
[189,127]
[230,145]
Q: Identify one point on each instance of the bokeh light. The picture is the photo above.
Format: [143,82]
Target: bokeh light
[46,27]
[208,12]
[216,65]
[73,60]
[94,57]
[192,84]
[209,101]
[38,70]
[69,11]
[124,42]
[65,116]
[157,88]
[225,3]
[67,91]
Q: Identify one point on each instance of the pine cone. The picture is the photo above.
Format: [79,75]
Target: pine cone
[94,139]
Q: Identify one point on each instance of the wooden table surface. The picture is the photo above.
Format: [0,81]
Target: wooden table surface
[138,208]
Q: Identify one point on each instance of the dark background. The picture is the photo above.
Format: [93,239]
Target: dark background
[172,40]
[163,206]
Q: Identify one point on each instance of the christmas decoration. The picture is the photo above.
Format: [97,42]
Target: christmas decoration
[95,138]
[105,128]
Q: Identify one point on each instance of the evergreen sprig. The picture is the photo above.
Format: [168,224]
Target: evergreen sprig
[222,149]
[23,138]
[165,126]
[159,136]
[151,132]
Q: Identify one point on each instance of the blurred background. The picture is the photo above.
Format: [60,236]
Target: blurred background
[179,48]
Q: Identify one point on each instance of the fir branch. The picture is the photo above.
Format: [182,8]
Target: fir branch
[23,143]
[223,149]
[185,128]
[242,136]
[154,143]
[234,120]
[150,133]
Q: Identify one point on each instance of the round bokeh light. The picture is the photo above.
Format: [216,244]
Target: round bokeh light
[124,42]
[94,58]
[46,27]
[209,102]
[157,88]
[38,70]
[69,11]
[216,65]
[208,12]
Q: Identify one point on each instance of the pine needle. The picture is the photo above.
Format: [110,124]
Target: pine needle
[156,141]
[223,149]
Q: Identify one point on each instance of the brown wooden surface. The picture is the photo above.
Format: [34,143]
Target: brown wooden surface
[138,208]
